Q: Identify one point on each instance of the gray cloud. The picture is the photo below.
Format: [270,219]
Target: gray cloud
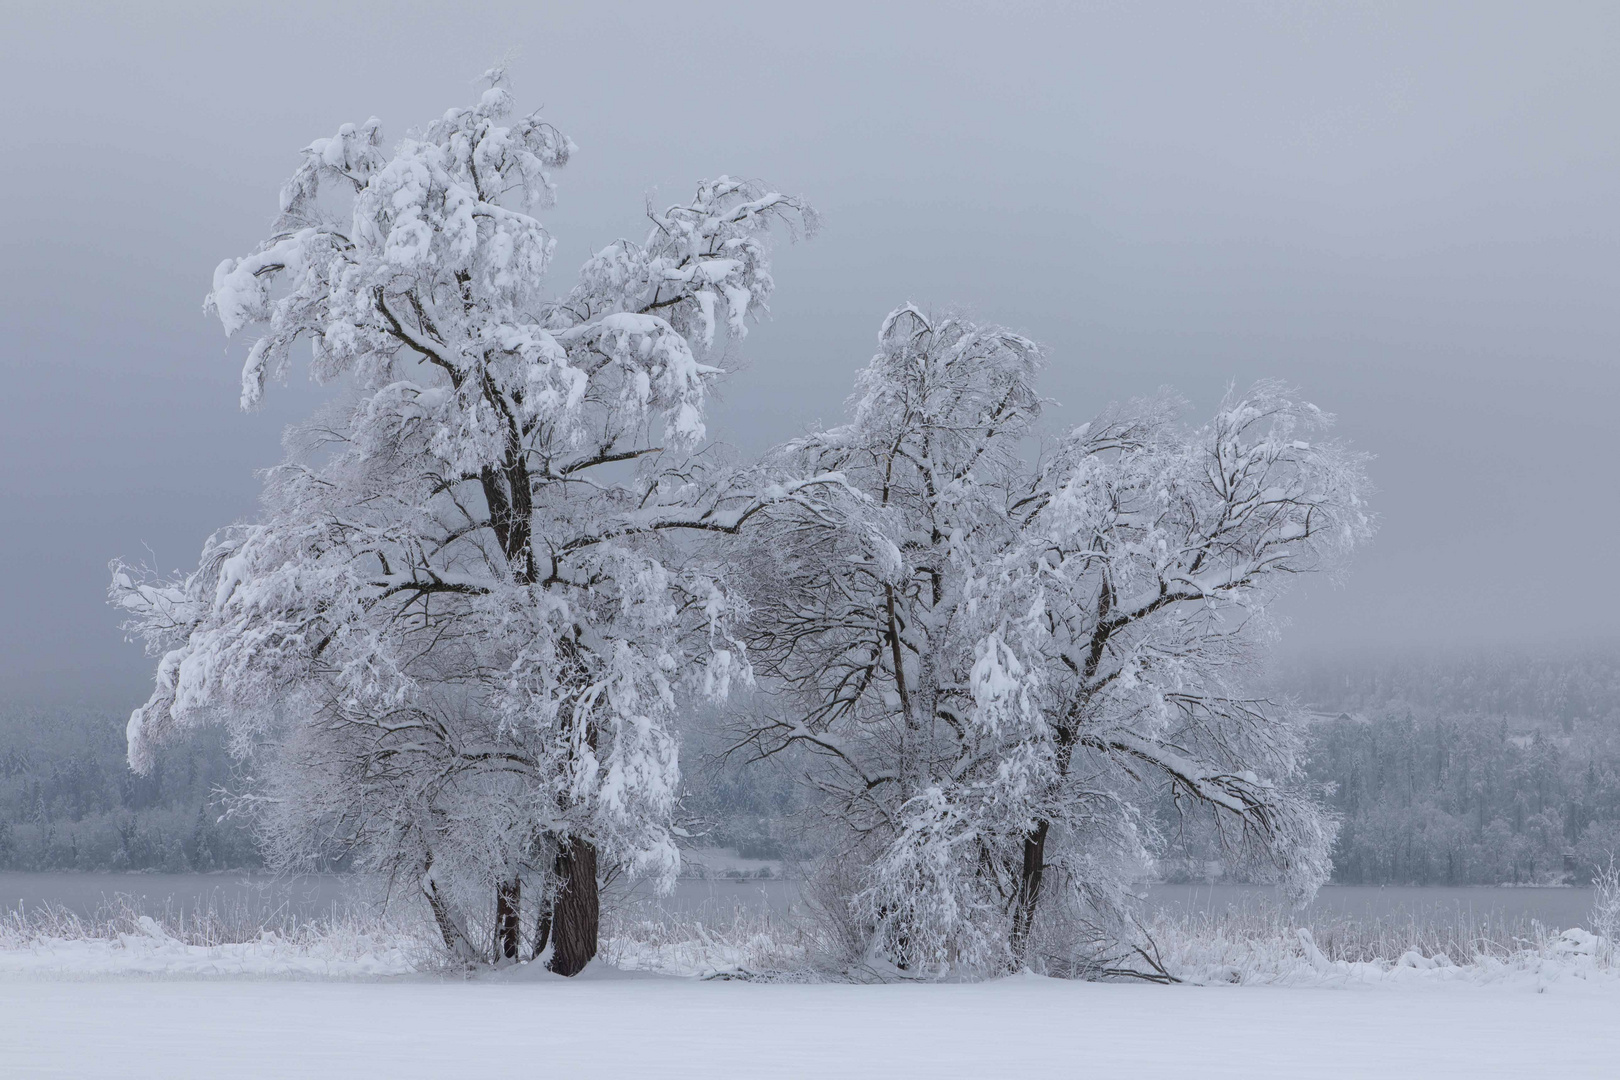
[1405,209]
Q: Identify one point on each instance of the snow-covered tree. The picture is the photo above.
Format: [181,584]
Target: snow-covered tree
[453,641]
[997,666]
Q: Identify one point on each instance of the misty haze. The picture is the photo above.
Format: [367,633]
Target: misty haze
[984,539]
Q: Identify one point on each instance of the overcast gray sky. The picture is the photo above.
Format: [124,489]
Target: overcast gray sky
[1407,209]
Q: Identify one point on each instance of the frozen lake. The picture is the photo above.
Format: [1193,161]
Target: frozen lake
[313,896]
[318,895]
[1559,908]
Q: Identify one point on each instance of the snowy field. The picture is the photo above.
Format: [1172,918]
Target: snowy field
[341,1002]
[355,998]
[358,998]
[615,1025]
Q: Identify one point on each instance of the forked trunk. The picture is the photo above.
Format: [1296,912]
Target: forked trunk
[1029,892]
[576,911]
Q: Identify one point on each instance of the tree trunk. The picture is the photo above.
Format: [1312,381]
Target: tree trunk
[576,912]
[508,899]
[1029,891]
[454,934]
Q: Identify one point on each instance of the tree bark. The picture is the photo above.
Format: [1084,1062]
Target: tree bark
[572,920]
[1029,891]
[508,899]
[510,514]
[576,912]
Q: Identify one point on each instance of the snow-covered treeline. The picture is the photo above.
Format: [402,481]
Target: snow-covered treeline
[1465,800]
[68,800]
[1565,689]
[492,572]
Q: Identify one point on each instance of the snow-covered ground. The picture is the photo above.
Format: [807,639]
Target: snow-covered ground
[358,1000]
[614,1025]
[152,951]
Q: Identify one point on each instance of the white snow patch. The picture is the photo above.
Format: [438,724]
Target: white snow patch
[630,1027]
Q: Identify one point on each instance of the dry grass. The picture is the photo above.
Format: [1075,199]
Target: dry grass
[1457,933]
[740,943]
[354,932]
[1247,942]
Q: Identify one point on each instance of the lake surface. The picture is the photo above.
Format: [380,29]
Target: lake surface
[315,896]
[311,896]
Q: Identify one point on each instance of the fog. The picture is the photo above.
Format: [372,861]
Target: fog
[1406,210]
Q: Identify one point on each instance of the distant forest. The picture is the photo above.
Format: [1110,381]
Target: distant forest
[1470,770]
[68,800]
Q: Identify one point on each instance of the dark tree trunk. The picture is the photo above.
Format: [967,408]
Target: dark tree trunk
[576,912]
[508,899]
[506,491]
[1029,891]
